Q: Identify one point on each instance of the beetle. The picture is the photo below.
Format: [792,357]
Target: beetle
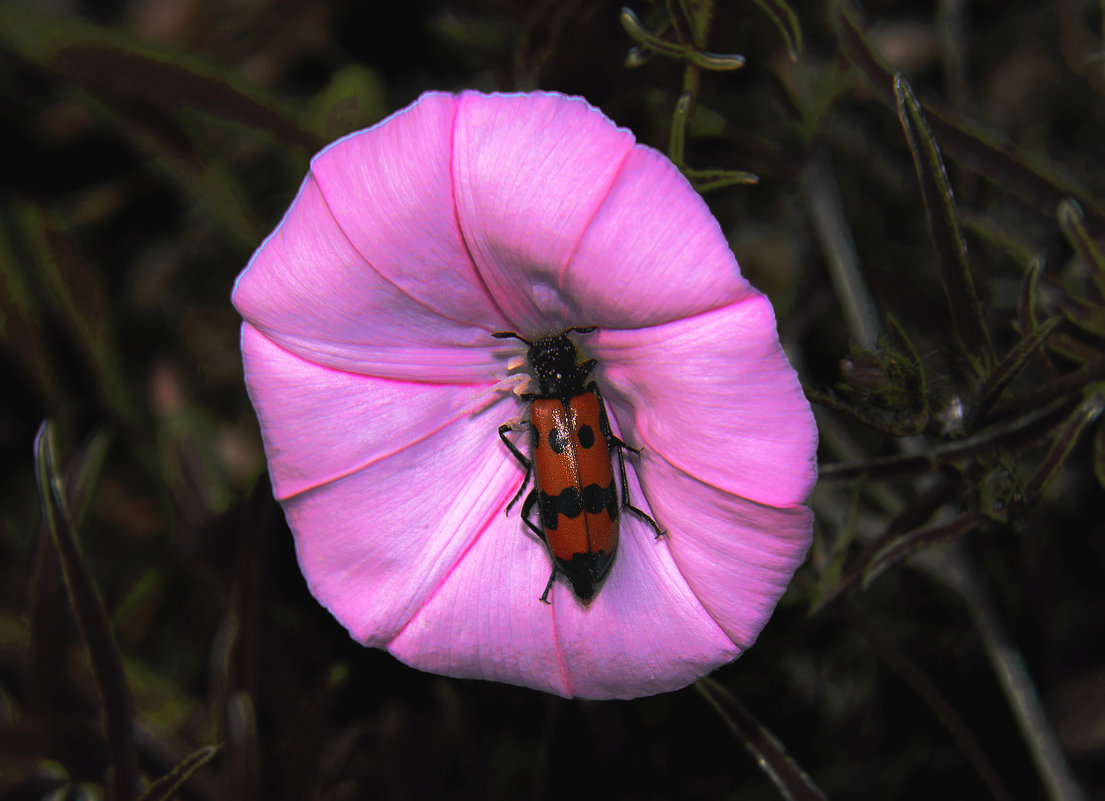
[571,447]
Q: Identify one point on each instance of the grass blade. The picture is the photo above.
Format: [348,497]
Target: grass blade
[88,608]
[773,758]
[164,788]
[940,208]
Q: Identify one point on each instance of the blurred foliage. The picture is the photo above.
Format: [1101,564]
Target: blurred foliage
[928,216]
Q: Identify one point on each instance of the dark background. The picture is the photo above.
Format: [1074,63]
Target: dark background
[151,145]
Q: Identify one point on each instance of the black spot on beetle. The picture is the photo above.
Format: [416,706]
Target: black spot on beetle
[596,498]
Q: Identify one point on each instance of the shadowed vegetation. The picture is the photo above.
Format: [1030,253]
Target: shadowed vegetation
[919,188]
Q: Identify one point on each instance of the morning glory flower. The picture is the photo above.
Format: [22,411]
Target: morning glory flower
[379,388]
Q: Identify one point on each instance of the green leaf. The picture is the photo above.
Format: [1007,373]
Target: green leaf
[1010,367]
[99,60]
[786,21]
[1027,310]
[677,143]
[84,472]
[1087,315]
[21,331]
[1014,244]
[1073,225]
[81,303]
[944,226]
[88,608]
[1066,438]
[632,25]
[948,487]
[699,15]
[976,147]
[709,180]
[637,56]
[719,62]
[164,788]
[355,98]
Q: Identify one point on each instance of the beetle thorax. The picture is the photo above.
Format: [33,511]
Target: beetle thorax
[556,365]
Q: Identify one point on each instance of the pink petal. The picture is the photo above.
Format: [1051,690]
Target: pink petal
[643,633]
[737,556]
[653,252]
[715,396]
[486,620]
[320,424]
[646,632]
[530,172]
[314,287]
[390,189]
[377,544]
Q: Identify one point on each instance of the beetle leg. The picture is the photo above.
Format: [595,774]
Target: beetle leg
[619,444]
[604,424]
[604,421]
[545,594]
[522,460]
[625,498]
[527,507]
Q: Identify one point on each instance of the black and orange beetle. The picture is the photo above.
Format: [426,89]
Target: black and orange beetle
[570,447]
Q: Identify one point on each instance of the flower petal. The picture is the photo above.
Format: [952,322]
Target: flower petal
[320,424]
[390,188]
[653,253]
[530,172]
[737,556]
[486,620]
[315,286]
[646,632]
[643,633]
[375,545]
[715,396]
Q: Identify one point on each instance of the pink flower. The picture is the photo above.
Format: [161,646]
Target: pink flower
[379,388]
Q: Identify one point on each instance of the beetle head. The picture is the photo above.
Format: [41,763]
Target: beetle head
[558,365]
[556,361]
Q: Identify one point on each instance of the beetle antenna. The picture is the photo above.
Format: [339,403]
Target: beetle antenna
[510,335]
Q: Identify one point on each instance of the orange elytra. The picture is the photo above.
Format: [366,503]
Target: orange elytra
[571,457]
